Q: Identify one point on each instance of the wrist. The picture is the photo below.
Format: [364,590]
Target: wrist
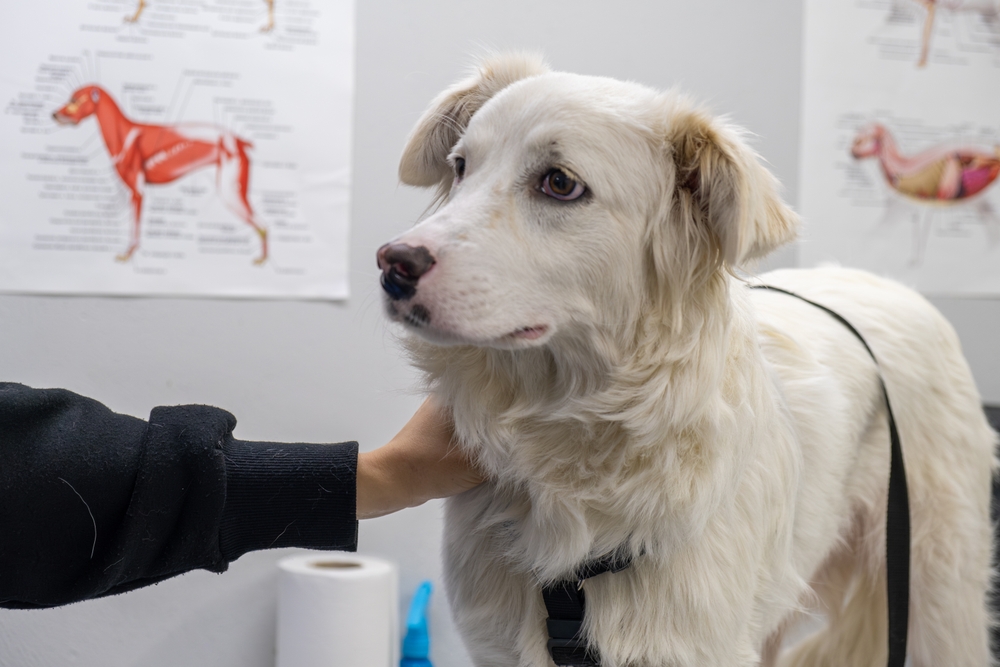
[370,486]
[381,489]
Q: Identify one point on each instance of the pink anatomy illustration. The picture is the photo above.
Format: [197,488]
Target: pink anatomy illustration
[989,9]
[940,175]
[155,154]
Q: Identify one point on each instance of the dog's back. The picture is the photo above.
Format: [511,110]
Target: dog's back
[828,383]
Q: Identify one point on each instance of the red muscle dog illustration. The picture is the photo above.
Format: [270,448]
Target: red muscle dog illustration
[941,174]
[156,154]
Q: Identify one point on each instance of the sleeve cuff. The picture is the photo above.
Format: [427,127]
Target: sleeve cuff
[289,495]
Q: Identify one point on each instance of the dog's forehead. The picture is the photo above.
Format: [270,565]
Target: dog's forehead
[558,108]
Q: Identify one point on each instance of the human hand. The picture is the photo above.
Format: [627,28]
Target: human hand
[420,463]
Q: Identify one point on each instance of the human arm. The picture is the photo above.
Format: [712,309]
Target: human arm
[94,503]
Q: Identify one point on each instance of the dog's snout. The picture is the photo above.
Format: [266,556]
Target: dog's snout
[402,266]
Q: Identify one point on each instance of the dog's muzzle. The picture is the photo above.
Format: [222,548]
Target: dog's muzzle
[402,266]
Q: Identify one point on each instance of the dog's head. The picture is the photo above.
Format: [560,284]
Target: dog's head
[868,141]
[82,103]
[570,205]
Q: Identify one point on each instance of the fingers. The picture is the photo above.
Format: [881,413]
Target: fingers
[420,463]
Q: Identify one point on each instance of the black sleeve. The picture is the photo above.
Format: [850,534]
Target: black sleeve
[94,503]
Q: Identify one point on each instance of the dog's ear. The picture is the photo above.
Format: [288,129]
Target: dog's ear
[722,189]
[424,158]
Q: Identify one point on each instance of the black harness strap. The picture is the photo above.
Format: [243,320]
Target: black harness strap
[897,519]
[566,603]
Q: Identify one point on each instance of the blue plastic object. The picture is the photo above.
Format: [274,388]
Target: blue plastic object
[417,643]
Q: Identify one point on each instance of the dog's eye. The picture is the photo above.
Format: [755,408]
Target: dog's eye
[558,185]
[459,168]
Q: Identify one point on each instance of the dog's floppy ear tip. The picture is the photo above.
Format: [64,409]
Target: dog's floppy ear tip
[773,223]
[509,65]
[417,175]
[778,227]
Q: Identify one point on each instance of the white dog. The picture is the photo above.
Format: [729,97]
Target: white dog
[576,305]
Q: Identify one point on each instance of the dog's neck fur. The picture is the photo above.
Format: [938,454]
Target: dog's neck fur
[547,423]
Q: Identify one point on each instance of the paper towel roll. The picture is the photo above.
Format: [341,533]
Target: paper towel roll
[337,611]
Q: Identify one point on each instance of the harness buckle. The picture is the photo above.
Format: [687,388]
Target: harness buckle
[572,652]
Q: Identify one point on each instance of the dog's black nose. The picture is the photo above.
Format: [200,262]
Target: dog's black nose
[402,265]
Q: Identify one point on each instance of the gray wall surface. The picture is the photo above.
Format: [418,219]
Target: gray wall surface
[322,372]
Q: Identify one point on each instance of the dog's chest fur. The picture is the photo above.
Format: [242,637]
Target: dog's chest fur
[583,466]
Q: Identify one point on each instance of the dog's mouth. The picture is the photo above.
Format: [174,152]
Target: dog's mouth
[523,337]
[528,333]
[418,317]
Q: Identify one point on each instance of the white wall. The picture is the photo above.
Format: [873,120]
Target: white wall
[324,372]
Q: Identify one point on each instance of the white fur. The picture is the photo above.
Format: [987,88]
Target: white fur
[734,440]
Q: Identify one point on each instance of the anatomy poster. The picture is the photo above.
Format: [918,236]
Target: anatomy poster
[901,140]
[176,147]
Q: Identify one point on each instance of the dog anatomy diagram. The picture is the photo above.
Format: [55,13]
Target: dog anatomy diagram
[946,183]
[179,146]
[155,154]
[901,140]
[942,174]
